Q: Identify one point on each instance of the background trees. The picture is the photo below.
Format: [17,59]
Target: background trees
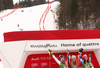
[28,3]
[79,14]
[6,4]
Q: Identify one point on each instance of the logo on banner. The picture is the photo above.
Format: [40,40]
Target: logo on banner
[43,46]
[34,64]
[44,64]
[43,58]
[35,59]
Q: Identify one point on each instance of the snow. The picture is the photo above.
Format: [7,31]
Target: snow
[1,65]
[28,20]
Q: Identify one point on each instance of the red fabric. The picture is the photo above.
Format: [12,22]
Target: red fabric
[43,61]
[52,35]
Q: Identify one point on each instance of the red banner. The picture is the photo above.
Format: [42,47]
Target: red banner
[42,60]
[52,35]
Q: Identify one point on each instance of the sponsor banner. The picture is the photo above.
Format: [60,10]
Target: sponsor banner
[43,45]
[42,60]
[37,61]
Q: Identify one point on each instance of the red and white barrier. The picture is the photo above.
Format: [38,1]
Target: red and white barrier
[43,17]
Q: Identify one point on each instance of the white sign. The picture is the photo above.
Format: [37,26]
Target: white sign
[44,45]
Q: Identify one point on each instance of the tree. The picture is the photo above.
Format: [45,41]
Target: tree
[37,2]
[48,1]
[28,3]
[79,14]
[1,5]
[8,4]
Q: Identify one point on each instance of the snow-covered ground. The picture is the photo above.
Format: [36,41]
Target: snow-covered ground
[27,19]
[1,65]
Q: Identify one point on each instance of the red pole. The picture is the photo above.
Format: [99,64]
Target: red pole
[49,61]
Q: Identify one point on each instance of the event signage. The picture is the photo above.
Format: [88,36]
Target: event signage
[63,44]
